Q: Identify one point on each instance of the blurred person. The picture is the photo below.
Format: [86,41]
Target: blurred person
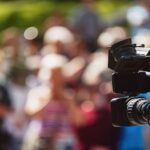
[98,133]
[56,38]
[87,23]
[60,40]
[53,107]
[11,44]
[10,50]
[16,122]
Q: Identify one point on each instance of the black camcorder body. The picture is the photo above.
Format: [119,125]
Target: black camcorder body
[131,65]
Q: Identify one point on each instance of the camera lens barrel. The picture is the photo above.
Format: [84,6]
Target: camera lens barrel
[119,112]
[130,111]
[138,110]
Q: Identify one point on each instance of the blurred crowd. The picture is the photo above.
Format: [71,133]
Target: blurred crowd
[55,89]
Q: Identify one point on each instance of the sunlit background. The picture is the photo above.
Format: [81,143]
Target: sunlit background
[55,86]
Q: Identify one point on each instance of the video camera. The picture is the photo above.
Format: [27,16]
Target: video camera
[131,64]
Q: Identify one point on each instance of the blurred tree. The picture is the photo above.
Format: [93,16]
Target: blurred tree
[25,13]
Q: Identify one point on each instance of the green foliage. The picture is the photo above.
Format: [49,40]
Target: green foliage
[23,14]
